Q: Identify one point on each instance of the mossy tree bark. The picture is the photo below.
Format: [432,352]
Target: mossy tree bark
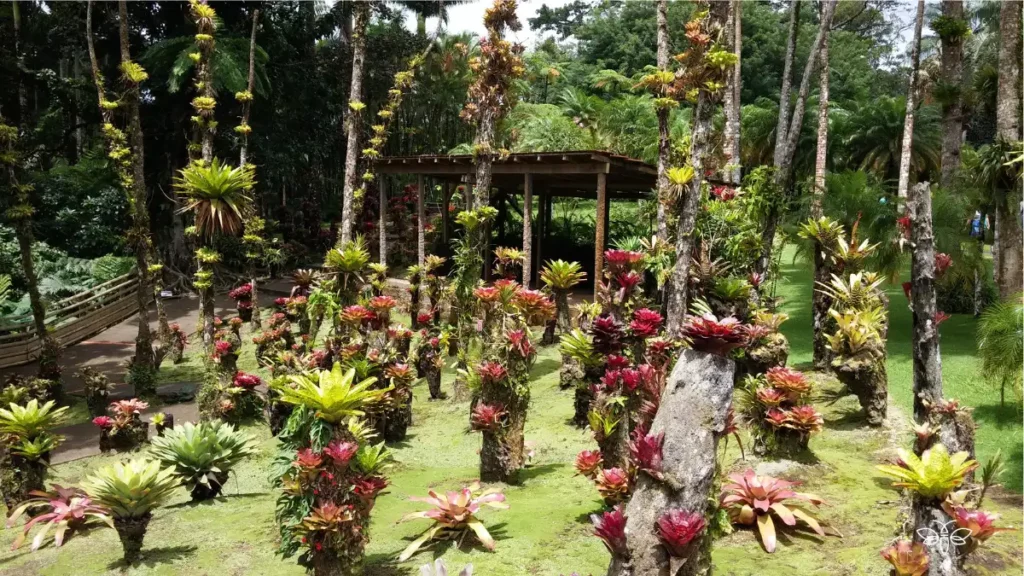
[1010,262]
[903,185]
[664,138]
[132,532]
[362,18]
[925,336]
[952,109]
[693,413]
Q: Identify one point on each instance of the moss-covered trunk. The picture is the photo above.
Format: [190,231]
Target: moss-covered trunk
[502,451]
[132,531]
[866,378]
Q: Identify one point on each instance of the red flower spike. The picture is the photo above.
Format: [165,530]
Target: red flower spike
[677,528]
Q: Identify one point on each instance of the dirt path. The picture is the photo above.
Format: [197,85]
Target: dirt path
[108,351]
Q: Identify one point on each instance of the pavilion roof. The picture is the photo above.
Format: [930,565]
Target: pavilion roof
[557,173]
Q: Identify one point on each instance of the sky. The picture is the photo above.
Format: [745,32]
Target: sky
[469,17]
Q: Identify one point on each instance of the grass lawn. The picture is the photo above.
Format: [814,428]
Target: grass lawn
[547,532]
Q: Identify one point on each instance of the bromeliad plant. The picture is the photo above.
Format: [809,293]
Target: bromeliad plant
[242,296]
[202,455]
[907,558]
[123,429]
[26,441]
[750,499]
[454,515]
[933,475]
[62,510]
[329,473]
[131,491]
[559,278]
[775,408]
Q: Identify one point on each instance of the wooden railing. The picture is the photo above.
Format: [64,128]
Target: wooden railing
[71,320]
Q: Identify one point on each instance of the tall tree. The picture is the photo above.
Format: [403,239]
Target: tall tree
[821,155]
[354,115]
[784,156]
[490,98]
[951,33]
[1010,276]
[697,74]
[908,122]
[664,138]
[731,98]
[782,126]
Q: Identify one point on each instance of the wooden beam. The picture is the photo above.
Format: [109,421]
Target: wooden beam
[600,222]
[528,231]
[498,169]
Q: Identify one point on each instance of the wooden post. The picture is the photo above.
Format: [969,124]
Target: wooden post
[382,199]
[528,231]
[600,222]
[541,227]
[445,217]
[421,216]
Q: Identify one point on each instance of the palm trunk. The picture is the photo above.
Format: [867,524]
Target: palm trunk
[784,158]
[952,111]
[908,122]
[1008,128]
[143,364]
[925,340]
[782,126]
[243,155]
[664,141]
[362,16]
[484,144]
[731,102]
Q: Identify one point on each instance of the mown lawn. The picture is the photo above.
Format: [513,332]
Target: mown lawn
[546,531]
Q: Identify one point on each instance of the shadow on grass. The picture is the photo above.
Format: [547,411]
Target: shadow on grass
[403,443]
[151,557]
[545,367]
[847,421]
[531,472]
[215,501]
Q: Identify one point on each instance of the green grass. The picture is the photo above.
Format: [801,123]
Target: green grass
[546,531]
[999,427]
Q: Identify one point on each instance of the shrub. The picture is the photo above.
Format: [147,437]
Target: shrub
[202,455]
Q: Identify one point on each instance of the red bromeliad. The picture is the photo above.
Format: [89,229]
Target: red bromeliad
[245,380]
[751,499]
[487,417]
[981,524]
[608,335]
[622,260]
[804,419]
[454,513]
[340,453]
[610,527]
[770,397]
[942,263]
[645,452]
[792,382]
[709,334]
[491,372]
[588,463]
[677,528]
[646,323]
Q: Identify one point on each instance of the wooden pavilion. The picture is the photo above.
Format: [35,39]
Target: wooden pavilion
[545,175]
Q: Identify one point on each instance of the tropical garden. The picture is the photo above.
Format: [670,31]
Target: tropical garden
[799,349]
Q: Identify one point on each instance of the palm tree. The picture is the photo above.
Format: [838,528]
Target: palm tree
[1010,263]
[908,121]
[1001,343]
[873,135]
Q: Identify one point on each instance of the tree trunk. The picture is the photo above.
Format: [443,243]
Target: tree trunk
[821,156]
[700,149]
[925,340]
[929,518]
[527,228]
[484,143]
[143,364]
[952,111]
[1008,128]
[782,126]
[908,122]
[664,141]
[243,155]
[820,304]
[382,203]
[731,102]
[132,531]
[784,158]
[694,408]
[362,17]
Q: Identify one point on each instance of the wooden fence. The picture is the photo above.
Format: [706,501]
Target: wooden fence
[71,320]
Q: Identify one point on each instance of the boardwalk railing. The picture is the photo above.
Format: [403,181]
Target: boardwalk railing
[71,320]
